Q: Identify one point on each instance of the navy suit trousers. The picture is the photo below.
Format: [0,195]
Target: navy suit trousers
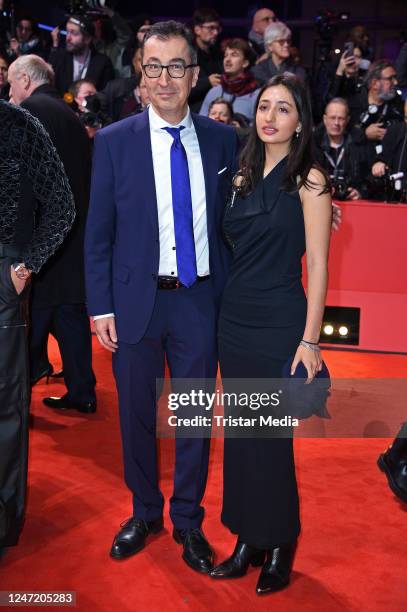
[182,329]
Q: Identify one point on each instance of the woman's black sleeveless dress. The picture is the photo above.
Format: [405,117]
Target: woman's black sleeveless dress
[262,321]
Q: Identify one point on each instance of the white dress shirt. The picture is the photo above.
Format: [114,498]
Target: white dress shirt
[161,142]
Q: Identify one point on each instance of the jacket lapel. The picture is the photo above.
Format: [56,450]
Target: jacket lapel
[210,168]
[145,169]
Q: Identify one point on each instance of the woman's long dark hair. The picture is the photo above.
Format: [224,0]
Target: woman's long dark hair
[301,158]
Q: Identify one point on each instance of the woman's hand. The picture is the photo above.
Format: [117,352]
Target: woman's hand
[311,359]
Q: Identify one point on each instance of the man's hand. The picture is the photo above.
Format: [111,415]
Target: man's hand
[19,281]
[106,332]
[353,194]
[375,131]
[336,216]
[55,37]
[379,169]
[214,79]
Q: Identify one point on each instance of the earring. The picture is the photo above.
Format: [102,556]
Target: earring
[297,132]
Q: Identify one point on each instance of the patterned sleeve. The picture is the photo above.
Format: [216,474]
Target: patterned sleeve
[51,188]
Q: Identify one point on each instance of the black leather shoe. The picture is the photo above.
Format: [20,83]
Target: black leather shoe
[64,403]
[197,552]
[237,565]
[396,472]
[132,537]
[275,574]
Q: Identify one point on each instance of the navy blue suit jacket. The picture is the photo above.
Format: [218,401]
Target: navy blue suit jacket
[122,247]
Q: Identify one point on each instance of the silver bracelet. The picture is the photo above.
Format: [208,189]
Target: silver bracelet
[311,347]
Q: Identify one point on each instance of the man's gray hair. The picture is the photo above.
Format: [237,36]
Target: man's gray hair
[276,31]
[338,101]
[35,67]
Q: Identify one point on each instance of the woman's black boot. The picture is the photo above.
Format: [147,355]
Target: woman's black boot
[275,574]
[237,565]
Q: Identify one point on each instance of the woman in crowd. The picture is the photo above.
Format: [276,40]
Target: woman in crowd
[280,207]
[348,76]
[277,42]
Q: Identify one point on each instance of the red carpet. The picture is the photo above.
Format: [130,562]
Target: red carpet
[351,553]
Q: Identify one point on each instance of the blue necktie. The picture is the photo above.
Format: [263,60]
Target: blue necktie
[182,210]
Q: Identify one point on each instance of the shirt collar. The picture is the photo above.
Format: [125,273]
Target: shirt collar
[157,123]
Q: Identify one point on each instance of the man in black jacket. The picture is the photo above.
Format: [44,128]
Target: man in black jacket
[206,28]
[58,300]
[376,106]
[36,212]
[79,59]
[341,151]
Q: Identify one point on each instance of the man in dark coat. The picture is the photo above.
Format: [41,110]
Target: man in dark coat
[58,301]
[79,59]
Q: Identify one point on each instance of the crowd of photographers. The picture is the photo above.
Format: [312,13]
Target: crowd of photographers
[360,116]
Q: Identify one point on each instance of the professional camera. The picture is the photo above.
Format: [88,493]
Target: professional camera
[395,187]
[87,7]
[94,115]
[340,185]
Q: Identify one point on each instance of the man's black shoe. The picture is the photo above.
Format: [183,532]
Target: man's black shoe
[64,403]
[197,552]
[132,537]
[396,472]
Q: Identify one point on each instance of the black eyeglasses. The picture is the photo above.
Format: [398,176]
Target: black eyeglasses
[176,71]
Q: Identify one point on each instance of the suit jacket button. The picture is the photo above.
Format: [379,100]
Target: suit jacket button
[154,276]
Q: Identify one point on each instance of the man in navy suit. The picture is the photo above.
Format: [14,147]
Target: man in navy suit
[155,269]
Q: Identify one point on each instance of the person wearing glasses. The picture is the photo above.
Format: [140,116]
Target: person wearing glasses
[261,20]
[206,29]
[155,265]
[277,42]
[377,106]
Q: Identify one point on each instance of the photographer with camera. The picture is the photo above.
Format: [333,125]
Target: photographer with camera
[88,106]
[341,151]
[79,59]
[389,173]
[377,106]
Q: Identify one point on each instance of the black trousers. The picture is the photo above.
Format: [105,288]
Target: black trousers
[70,325]
[14,407]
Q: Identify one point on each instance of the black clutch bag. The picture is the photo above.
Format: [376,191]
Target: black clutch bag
[301,401]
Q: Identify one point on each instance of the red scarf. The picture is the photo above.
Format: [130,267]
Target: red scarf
[241,85]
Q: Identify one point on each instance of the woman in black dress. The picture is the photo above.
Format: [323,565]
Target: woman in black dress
[281,207]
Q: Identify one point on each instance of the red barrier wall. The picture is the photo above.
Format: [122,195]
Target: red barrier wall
[367,269]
